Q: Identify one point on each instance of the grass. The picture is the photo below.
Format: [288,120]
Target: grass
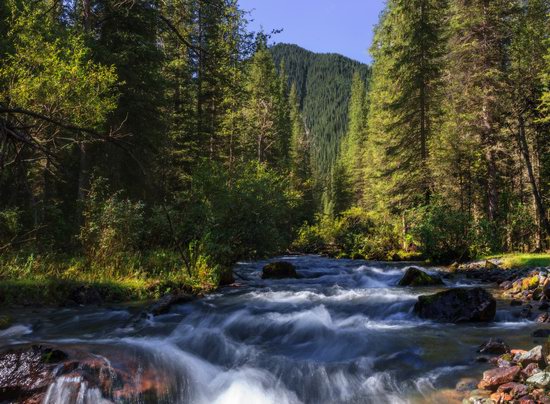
[523,260]
[30,279]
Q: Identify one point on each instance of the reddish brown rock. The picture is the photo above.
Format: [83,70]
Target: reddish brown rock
[530,370]
[501,397]
[493,378]
[535,355]
[514,389]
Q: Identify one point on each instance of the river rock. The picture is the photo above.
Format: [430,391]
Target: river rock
[457,306]
[26,372]
[416,277]
[494,346]
[535,355]
[86,295]
[279,270]
[164,305]
[530,370]
[543,318]
[541,379]
[493,378]
[226,277]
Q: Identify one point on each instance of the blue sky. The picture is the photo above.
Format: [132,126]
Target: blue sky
[340,26]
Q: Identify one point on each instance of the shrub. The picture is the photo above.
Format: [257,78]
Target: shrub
[244,215]
[10,226]
[113,225]
[441,231]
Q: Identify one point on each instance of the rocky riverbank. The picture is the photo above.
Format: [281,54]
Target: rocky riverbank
[517,376]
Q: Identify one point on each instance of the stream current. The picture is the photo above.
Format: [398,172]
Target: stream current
[342,333]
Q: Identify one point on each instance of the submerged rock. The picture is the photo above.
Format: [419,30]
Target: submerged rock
[279,270]
[163,305]
[495,347]
[416,277]
[457,306]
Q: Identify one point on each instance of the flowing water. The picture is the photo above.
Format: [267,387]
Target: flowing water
[342,333]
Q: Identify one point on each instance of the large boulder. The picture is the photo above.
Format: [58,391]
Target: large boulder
[26,373]
[535,355]
[457,306]
[279,270]
[30,373]
[416,277]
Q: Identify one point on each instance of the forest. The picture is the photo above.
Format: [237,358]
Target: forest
[157,143]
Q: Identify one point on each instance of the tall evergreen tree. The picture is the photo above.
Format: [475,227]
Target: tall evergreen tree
[405,99]
[472,138]
[351,153]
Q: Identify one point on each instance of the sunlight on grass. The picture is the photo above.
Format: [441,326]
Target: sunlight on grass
[523,260]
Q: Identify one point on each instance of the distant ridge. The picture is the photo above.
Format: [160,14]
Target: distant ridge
[323,82]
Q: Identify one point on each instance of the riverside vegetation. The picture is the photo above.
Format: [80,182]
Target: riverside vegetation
[153,144]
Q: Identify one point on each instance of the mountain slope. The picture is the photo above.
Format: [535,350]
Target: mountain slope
[323,82]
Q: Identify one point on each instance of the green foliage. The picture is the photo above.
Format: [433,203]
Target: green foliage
[10,226]
[243,215]
[354,233]
[113,225]
[441,231]
[323,87]
[54,74]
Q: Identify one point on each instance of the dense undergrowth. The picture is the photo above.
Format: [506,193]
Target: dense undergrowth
[130,250]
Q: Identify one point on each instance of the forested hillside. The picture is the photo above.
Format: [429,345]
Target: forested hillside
[323,85]
[454,150]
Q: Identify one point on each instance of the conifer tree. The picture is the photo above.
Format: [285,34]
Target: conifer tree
[405,99]
[351,152]
[266,136]
[472,136]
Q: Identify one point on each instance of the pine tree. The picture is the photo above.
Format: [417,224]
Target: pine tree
[530,28]
[265,138]
[351,150]
[405,97]
[475,77]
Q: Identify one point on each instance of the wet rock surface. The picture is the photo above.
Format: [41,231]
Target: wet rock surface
[279,270]
[519,378]
[457,306]
[50,374]
[416,277]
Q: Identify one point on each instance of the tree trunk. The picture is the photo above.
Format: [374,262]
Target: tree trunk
[524,149]
[84,168]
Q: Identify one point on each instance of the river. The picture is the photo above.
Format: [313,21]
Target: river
[342,333]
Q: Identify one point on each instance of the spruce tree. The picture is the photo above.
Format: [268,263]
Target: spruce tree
[405,103]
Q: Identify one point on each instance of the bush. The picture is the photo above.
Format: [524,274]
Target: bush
[10,226]
[441,231]
[113,225]
[244,215]
[354,233]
